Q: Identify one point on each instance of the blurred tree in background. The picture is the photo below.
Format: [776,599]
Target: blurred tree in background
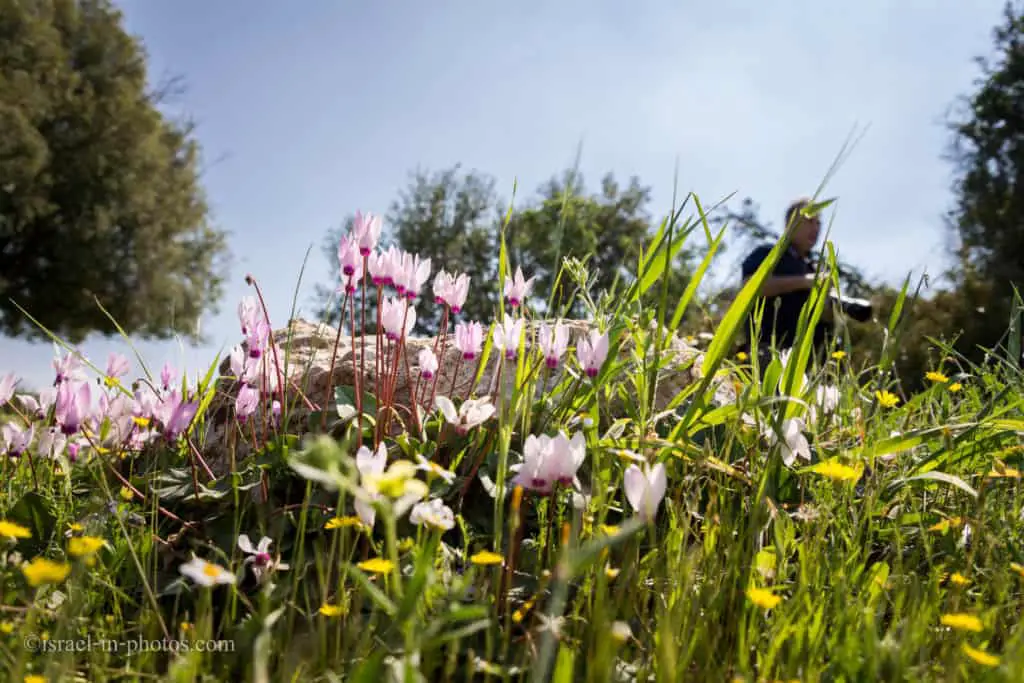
[455,219]
[99,194]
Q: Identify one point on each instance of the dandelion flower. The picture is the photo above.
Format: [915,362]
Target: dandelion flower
[887,399]
[955,387]
[377,565]
[12,530]
[763,598]
[962,622]
[84,546]
[839,355]
[837,471]
[329,610]
[206,573]
[343,522]
[936,377]
[959,579]
[486,557]
[980,656]
[41,570]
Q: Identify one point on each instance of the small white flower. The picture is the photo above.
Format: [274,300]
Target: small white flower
[433,513]
[794,443]
[206,573]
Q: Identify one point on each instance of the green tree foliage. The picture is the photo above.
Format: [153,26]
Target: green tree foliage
[99,193]
[455,219]
[606,230]
[988,215]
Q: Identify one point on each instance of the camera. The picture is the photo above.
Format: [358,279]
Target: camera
[860,310]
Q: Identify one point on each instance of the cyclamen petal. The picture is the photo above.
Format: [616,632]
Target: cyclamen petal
[366,231]
[645,489]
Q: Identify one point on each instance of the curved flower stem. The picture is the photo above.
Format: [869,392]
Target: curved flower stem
[330,373]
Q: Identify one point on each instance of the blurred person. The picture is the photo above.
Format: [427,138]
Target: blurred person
[789,286]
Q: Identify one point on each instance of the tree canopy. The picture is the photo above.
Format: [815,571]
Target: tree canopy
[100,197]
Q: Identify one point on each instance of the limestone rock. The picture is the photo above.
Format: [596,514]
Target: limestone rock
[305,350]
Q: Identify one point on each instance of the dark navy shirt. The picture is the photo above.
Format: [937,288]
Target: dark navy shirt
[782,313]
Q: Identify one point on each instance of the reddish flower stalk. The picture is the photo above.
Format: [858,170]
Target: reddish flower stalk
[362,328]
[330,373]
[273,347]
[357,381]
[442,341]
[377,361]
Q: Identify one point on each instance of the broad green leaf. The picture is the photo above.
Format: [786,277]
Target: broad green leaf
[939,477]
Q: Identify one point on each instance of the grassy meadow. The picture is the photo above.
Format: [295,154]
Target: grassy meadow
[822,526]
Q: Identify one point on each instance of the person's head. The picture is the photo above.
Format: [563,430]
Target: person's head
[805,230]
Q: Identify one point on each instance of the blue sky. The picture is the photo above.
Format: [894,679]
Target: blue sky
[310,110]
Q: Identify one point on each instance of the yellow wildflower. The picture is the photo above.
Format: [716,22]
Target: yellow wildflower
[34,678]
[741,356]
[959,579]
[126,493]
[377,565]
[839,355]
[6,627]
[12,530]
[946,524]
[343,522]
[41,570]
[838,471]
[763,597]
[980,656]
[141,421]
[486,557]
[609,529]
[84,546]
[955,387]
[1019,568]
[938,377]
[887,399]
[961,621]
[329,610]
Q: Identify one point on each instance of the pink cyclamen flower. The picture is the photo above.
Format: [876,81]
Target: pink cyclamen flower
[396,320]
[117,367]
[592,352]
[645,489]
[506,336]
[175,414]
[550,461]
[428,363]
[471,413]
[39,407]
[378,264]
[167,375]
[469,339]
[68,368]
[246,402]
[450,290]
[553,343]
[414,272]
[366,231]
[72,408]
[350,261]
[248,313]
[16,439]
[256,340]
[7,384]
[517,288]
